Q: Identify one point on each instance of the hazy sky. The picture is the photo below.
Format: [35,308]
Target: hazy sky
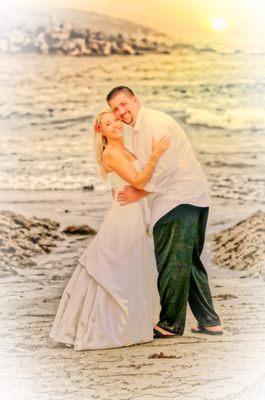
[237,19]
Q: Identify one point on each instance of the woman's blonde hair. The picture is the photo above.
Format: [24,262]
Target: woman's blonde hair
[100,142]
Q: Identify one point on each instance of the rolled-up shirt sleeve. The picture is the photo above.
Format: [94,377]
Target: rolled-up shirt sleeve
[167,164]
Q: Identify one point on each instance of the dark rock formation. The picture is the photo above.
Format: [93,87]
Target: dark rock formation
[22,238]
[80,230]
[242,247]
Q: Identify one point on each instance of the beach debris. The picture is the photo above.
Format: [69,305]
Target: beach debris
[242,246]
[226,296]
[79,230]
[161,355]
[88,187]
[22,238]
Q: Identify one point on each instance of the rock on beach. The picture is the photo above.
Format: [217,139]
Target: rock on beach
[22,238]
[242,246]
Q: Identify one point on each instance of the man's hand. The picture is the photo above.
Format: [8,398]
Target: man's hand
[130,195]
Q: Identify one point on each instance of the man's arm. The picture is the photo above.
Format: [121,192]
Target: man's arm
[168,163]
[130,195]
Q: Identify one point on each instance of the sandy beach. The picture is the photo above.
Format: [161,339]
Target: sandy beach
[204,367]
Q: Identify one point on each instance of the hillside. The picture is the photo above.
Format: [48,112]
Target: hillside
[31,18]
[76,33]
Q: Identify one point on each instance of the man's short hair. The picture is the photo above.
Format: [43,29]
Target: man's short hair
[119,89]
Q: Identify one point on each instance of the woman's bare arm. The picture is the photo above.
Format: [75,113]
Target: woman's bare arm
[116,161]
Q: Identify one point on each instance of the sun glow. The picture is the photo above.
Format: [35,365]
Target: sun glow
[219,24]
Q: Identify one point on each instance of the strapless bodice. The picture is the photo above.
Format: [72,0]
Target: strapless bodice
[116,181]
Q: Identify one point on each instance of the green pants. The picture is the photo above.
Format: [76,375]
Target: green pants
[178,239]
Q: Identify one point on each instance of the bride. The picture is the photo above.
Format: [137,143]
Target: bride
[111,299]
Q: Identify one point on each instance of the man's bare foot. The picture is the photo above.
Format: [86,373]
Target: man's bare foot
[161,330]
[218,329]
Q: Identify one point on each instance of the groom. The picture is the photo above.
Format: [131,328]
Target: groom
[179,203]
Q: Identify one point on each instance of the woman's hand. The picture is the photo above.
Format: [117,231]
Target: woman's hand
[160,146]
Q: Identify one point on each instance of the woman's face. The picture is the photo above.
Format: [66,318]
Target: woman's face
[111,126]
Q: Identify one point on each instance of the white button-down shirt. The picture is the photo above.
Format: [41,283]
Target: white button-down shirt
[178,177]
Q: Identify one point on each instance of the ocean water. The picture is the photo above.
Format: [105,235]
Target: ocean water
[47,104]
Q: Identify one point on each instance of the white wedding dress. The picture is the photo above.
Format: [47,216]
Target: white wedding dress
[111,299]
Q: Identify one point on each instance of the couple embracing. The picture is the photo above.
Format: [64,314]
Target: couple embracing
[129,288]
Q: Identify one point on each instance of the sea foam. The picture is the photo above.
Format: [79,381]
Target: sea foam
[234,119]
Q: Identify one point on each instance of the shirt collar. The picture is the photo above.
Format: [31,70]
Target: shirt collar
[139,119]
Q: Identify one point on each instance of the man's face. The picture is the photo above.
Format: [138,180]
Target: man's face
[125,107]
